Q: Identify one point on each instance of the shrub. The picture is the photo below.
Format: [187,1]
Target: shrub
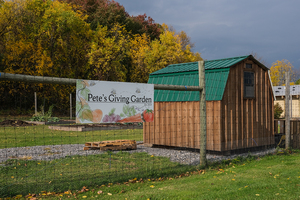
[277,111]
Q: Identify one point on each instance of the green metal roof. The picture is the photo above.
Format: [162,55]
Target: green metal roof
[193,66]
[216,75]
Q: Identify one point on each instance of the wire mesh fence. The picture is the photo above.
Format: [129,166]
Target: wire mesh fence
[48,152]
[61,155]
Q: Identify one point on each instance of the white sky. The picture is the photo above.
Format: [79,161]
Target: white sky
[220,29]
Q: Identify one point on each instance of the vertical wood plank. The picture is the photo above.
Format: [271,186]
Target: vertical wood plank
[245,122]
[267,130]
[173,127]
[209,125]
[256,124]
[229,111]
[224,145]
[185,122]
[260,130]
[249,144]
[179,125]
[197,124]
[157,122]
[234,136]
[191,125]
[217,126]
[167,123]
[242,107]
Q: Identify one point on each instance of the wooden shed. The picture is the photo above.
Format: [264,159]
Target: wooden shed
[239,105]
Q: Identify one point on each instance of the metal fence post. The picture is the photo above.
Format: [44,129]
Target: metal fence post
[202,122]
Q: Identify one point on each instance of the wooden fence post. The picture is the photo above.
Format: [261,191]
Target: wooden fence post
[70,106]
[203,161]
[287,110]
[35,104]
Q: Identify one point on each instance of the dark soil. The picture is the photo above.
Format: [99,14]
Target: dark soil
[9,122]
[107,125]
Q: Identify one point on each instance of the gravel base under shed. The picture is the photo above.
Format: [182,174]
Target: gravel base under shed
[51,152]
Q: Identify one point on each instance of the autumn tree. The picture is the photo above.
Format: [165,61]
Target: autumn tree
[48,39]
[278,70]
[143,24]
[139,47]
[149,56]
[101,12]
[109,54]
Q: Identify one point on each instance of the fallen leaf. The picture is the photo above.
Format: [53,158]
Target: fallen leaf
[257,194]
[109,194]
[152,186]
[100,192]
[84,197]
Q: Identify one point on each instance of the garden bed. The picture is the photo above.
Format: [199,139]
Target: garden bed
[9,122]
[47,123]
[94,127]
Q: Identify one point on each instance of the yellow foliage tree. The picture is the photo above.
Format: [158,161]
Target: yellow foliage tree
[148,57]
[43,38]
[278,70]
[139,47]
[109,52]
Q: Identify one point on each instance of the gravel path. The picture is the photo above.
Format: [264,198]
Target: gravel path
[51,152]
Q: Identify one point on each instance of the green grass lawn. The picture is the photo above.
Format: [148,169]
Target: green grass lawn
[72,173]
[269,177]
[42,135]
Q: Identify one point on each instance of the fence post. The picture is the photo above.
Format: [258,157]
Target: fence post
[35,104]
[287,110]
[70,106]
[202,122]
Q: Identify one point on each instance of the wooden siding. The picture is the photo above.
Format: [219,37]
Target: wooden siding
[247,122]
[233,123]
[177,124]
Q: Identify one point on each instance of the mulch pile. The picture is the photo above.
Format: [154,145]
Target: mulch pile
[9,122]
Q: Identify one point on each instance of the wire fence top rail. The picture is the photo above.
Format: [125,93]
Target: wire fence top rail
[70,81]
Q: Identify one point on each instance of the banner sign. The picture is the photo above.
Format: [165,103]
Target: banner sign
[113,102]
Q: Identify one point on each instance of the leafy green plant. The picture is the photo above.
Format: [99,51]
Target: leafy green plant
[277,111]
[43,116]
[128,111]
